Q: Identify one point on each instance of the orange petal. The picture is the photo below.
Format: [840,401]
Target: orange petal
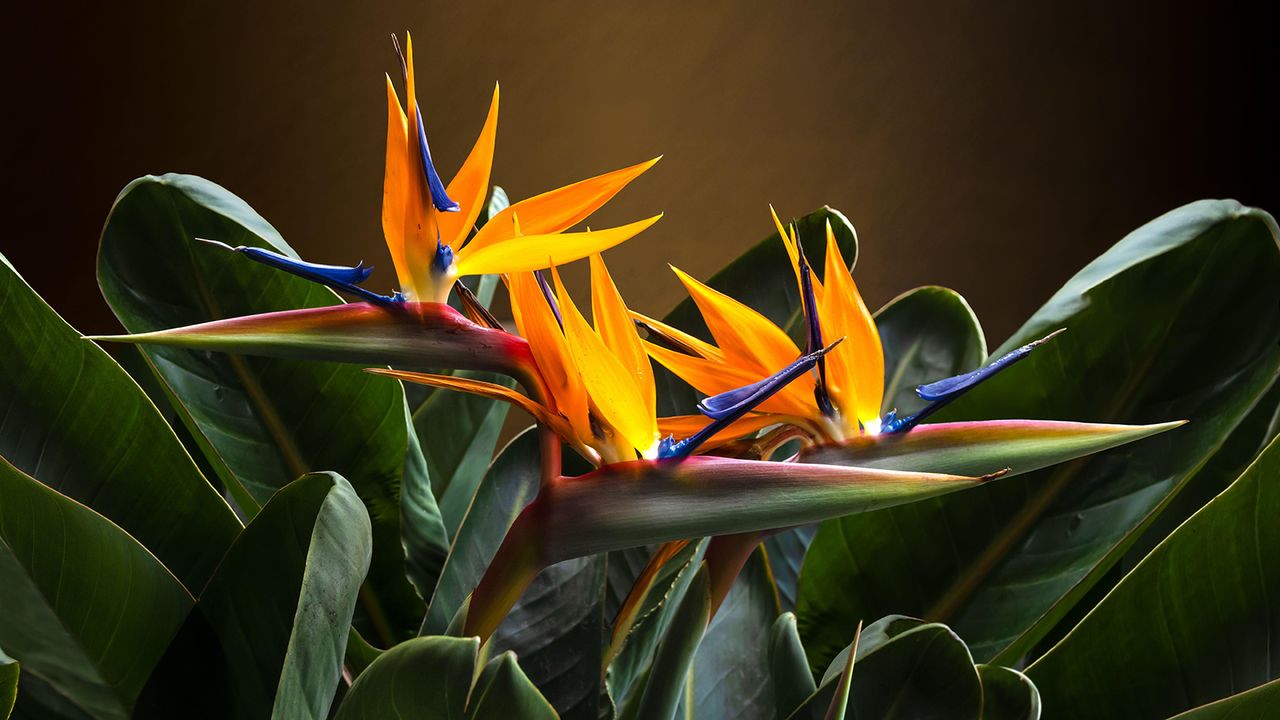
[471,185]
[792,243]
[558,210]
[537,324]
[855,369]
[682,426]
[611,388]
[747,338]
[712,378]
[484,389]
[405,216]
[613,323]
[537,252]
[703,348]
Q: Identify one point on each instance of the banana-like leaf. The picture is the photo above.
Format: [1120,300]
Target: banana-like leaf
[267,420]
[1194,622]
[413,334]
[730,676]
[509,485]
[430,678]
[968,448]
[927,333]
[1180,320]
[1008,694]
[269,633]
[85,608]
[905,668]
[72,419]
[789,668]
[1259,702]
[9,670]
[556,629]
[660,689]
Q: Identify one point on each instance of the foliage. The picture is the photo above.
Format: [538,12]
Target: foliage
[258,534]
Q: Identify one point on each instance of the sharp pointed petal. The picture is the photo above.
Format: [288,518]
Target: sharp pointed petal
[952,387]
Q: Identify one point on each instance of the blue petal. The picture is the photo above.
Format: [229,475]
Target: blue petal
[727,407]
[338,277]
[736,402]
[438,196]
[814,333]
[443,259]
[942,392]
[551,299]
[952,387]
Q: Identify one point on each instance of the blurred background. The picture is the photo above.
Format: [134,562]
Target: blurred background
[991,147]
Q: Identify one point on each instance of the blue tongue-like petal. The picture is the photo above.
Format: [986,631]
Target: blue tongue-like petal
[734,403]
[813,340]
[725,408]
[941,392]
[952,387]
[439,197]
[338,277]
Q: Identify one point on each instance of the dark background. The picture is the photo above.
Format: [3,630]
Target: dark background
[991,147]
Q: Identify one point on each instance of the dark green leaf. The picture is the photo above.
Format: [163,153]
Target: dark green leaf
[269,420]
[426,545]
[85,608]
[786,551]
[72,419]
[665,680]
[459,432]
[270,631]
[1180,320]
[928,333]
[1259,702]
[789,669]
[1194,622]
[1008,694]
[504,692]
[557,631]
[509,485]
[426,678]
[730,676]
[904,669]
[8,684]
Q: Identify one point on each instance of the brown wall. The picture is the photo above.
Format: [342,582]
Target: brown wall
[991,147]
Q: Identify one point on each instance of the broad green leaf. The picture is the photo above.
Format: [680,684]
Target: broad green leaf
[9,670]
[1194,622]
[763,279]
[635,639]
[789,669]
[459,432]
[1008,694]
[905,668]
[426,678]
[270,631]
[786,551]
[430,678]
[1259,702]
[665,680]
[557,630]
[426,544]
[268,420]
[72,419]
[730,676]
[86,609]
[509,485]
[928,333]
[504,692]
[1180,320]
